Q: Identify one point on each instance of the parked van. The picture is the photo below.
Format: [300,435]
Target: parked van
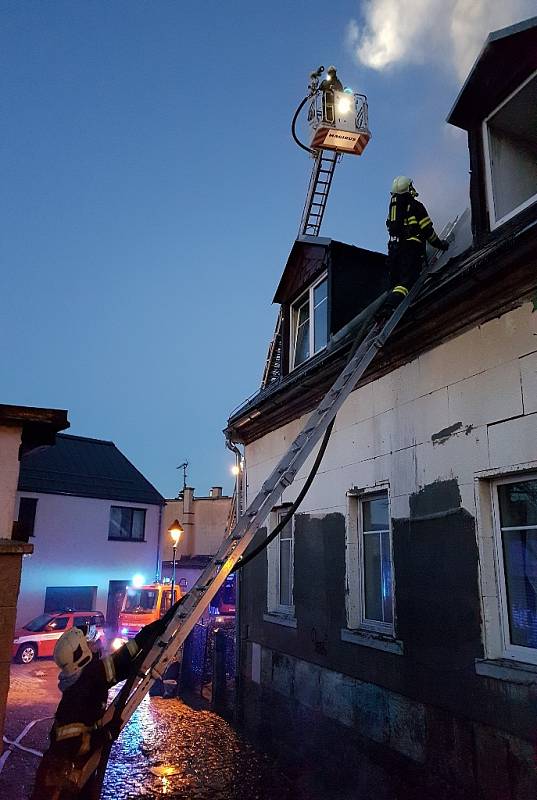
[142,605]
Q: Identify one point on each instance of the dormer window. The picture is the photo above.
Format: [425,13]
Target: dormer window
[309,321]
[510,143]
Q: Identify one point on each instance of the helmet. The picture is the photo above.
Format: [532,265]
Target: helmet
[72,651]
[331,69]
[402,184]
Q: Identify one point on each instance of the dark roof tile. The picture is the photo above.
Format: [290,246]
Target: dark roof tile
[86,467]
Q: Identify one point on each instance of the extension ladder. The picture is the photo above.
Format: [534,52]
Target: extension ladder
[166,648]
[318,191]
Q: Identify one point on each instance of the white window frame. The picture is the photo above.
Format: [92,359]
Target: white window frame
[355,563]
[307,295]
[274,606]
[494,222]
[508,650]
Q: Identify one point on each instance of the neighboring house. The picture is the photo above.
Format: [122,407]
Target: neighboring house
[397,614]
[22,429]
[94,522]
[204,520]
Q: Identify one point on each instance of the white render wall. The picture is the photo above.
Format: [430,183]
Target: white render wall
[71,548]
[484,379]
[10,440]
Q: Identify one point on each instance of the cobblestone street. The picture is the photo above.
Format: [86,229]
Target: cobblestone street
[169,749]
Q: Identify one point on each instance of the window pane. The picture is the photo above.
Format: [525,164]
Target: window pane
[520,560]
[138,523]
[372,577]
[387,583]
[376,514]
[114,530]
[518,504]
[320,305]
[285,573]
[59,624]
[302,345]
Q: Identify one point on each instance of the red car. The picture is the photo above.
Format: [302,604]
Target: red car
[39,636]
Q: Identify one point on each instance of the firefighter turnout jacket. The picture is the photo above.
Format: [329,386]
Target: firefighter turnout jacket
[408,221]
[76,728]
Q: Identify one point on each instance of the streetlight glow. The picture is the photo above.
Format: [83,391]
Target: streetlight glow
[235,469]
[176,530]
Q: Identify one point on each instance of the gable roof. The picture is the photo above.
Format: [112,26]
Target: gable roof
[86,468]
[508,57]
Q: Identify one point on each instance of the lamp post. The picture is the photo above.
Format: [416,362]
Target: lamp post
[176,531]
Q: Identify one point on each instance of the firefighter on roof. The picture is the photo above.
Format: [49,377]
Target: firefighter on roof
[84,682]
[410,228]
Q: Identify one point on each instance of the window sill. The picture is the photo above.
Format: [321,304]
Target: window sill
[504,670]
[379,641]
[280,619]
[123,539]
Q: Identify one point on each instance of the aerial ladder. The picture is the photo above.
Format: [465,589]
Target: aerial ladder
[339,124]
[151,664]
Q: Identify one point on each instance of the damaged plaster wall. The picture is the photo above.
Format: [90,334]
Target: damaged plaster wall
[427,431]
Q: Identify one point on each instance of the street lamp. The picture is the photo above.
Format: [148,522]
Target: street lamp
[176,531]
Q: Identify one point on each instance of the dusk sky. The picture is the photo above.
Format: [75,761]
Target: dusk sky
[151,191]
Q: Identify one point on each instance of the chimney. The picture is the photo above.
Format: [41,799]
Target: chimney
[188,497]
[216,492]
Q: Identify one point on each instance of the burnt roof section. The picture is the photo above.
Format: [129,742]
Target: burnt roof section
[39,425]
[508,57]
[85,467]
[308,259]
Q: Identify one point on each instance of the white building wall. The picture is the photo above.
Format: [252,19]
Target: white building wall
[10,439]
[480,388]
[71,548]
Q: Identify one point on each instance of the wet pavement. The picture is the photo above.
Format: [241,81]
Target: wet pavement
[169,749]
[207,758]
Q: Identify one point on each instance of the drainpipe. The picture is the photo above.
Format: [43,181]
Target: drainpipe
[157,572]
[239,462]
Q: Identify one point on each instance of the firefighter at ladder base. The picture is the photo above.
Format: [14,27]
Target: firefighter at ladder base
[410,227]
[84,682]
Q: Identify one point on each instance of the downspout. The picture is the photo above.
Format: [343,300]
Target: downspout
[239,462]
[157,571]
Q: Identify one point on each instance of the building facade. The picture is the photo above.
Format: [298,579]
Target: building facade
[22,430]
[204,520]
[94,522]
[395,618]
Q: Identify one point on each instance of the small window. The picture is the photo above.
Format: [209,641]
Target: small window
[309,320]
[510,137]
[127,524]
[370,602]
[280,556]
[516,549]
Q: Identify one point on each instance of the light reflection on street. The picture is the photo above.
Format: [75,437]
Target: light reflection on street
[170,749]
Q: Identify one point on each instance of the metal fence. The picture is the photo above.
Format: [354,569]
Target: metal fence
[208,667]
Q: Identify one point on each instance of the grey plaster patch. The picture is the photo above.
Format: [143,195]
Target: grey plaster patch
[407,727]
[307,686]
[435,497]
[337,697]
[282,673]
[371,711]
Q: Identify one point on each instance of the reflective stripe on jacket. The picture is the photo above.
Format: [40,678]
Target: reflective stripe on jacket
[409,221]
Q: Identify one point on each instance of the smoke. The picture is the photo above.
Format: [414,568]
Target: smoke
[449,32]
